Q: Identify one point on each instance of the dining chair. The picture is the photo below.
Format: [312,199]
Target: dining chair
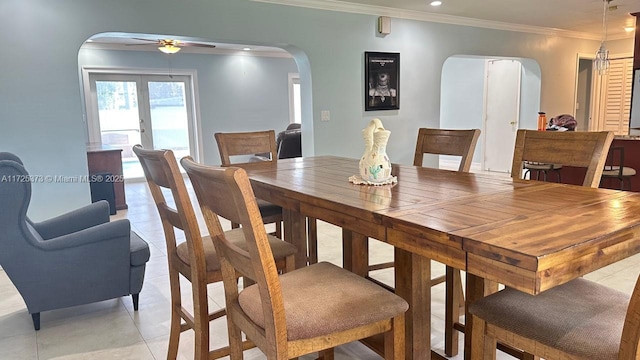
[460,143]
[522,312]
[311,309]
[252,150]
[247,145]
[614,167]
[195,258]
[577,320]
[578,149]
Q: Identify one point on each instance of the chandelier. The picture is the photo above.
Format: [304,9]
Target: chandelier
[601,63]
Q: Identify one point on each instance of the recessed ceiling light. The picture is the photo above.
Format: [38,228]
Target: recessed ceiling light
[629,28]
[246,49]
[90,40]
[436,3]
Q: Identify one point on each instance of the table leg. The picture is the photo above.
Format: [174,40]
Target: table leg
[412,277]
[355,252]
[295,226]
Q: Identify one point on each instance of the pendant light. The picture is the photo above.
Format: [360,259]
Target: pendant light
[601,62]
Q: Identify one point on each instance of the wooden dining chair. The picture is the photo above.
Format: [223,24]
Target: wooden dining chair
[195,258]
[311,309]
[577,320]
[252,150]
[578,149]
[258,149]
[460,143]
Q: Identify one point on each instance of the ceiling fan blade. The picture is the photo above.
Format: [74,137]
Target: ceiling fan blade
[211,46]
[148,40]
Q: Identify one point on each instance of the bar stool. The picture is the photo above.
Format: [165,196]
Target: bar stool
[615,169]
[541,168]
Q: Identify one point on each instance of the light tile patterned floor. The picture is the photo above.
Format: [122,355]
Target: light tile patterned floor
[112,330]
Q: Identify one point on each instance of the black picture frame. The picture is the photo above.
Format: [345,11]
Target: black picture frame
[381,81]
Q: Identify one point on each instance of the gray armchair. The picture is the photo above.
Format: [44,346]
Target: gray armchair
[76,258]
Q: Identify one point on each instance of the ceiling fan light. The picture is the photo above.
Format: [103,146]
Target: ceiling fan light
[169,49]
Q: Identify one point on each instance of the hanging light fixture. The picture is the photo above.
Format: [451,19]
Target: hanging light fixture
[169,46]
[601,63]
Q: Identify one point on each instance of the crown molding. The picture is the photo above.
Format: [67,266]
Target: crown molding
[186,50]
[334,5]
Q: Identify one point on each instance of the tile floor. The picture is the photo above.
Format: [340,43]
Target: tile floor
[112,330]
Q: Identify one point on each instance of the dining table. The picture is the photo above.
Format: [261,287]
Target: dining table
[528,235]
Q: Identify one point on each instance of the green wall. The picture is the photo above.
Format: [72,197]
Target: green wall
[40,88]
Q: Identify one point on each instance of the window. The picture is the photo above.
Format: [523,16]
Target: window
[295,113]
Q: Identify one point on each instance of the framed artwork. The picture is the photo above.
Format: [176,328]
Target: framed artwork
[382,81]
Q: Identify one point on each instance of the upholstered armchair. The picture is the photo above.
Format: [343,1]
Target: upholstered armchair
[76,258]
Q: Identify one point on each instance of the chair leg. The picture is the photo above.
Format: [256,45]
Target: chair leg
[278,232]
[235,341]
[312,238]
[176,319]
[453,299]
[490,346]
[136,300]
[36,320]
[201,321]
[326,354]
[483,347]
[394,340]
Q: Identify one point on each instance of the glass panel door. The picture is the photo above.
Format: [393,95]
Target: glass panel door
[170,115]
[154,111]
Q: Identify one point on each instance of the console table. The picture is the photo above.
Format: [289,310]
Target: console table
[108,159]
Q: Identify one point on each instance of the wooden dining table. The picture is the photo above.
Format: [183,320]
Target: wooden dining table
[528,235]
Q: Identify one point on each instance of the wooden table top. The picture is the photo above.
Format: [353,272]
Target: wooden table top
[529,235]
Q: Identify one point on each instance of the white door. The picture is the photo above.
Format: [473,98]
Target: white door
[152,110]
[502,110]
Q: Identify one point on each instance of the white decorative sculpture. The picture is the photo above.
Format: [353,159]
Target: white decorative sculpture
[375,167]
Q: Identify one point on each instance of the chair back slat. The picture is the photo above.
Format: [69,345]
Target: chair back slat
[161,171]
[247,143]
[227,192]
[447,142]
[578,149]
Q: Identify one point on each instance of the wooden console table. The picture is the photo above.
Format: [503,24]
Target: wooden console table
[107,159]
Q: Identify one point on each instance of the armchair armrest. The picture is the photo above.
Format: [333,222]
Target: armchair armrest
[100,233]
[73,221]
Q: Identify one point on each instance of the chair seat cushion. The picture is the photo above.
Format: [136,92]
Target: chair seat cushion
[581,317]
[139,250]
[322,299]
[541,166]
[279,248]
[614,171]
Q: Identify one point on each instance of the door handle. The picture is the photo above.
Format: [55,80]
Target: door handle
[512,123]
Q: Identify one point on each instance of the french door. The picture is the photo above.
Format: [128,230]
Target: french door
[155,111]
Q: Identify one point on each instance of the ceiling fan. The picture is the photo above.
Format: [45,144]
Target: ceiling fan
[170,46]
